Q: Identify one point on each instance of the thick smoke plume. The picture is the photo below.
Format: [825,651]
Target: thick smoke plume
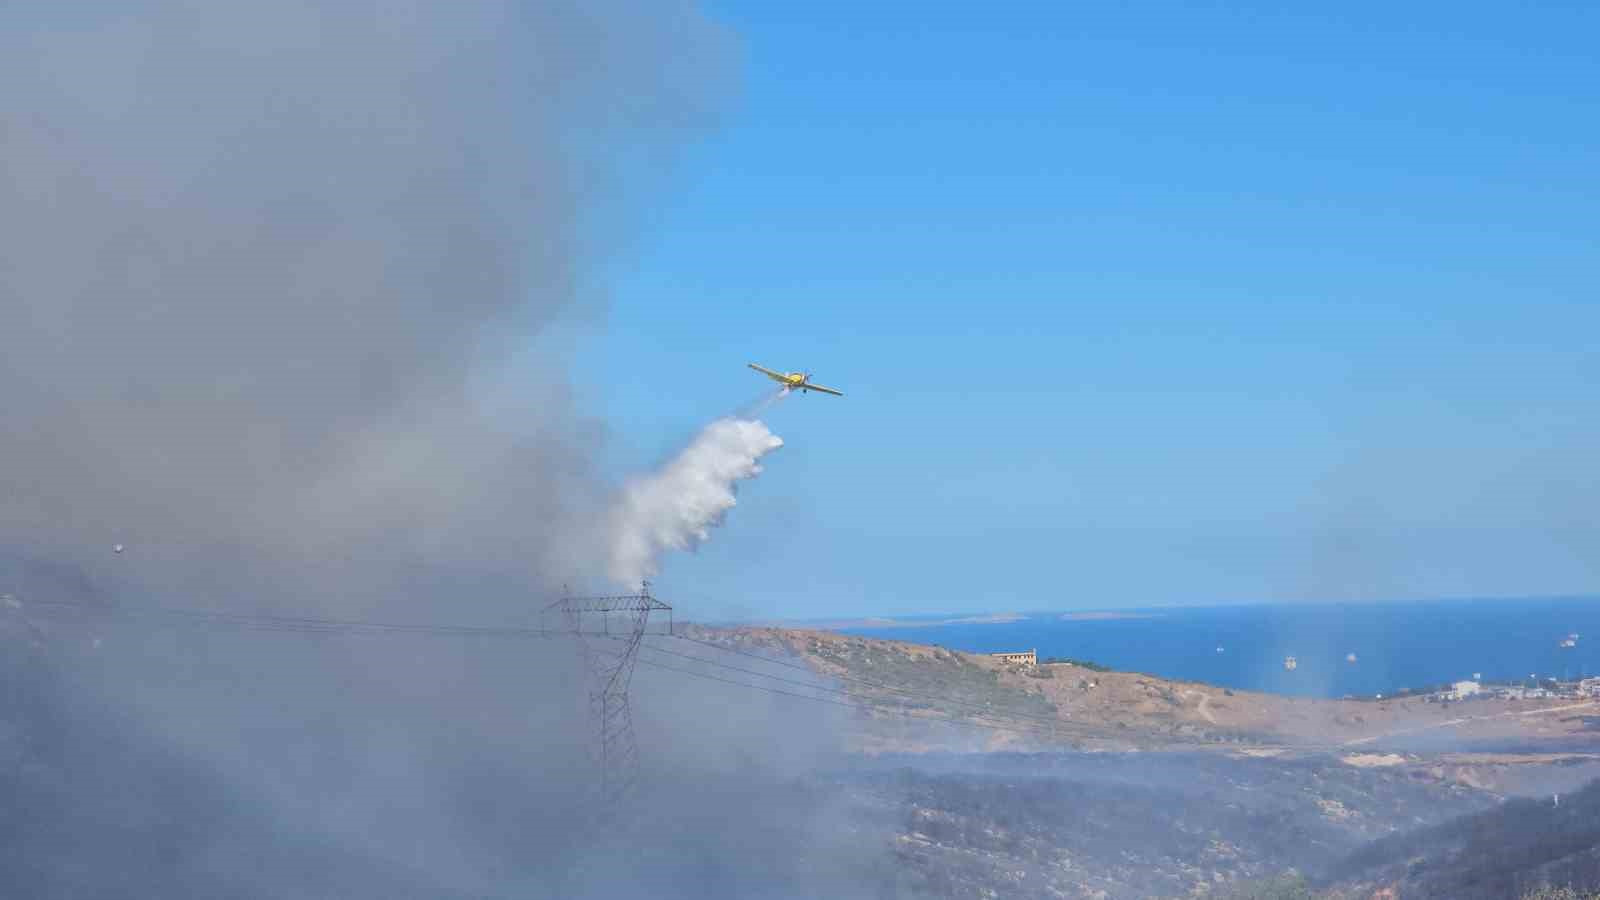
[258,262]
[676,507]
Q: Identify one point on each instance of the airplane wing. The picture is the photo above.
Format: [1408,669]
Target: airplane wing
[765,371]
[817,387]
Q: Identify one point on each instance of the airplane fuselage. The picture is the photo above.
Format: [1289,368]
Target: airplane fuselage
[794,381]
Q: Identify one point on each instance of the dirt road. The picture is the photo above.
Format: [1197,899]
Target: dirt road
[1451,723]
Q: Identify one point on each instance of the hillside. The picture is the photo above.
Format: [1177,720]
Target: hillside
[1506,851]
[1090,708]
[1126,825]
[979,779]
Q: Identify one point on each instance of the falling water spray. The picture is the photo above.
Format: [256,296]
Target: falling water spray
[675,507]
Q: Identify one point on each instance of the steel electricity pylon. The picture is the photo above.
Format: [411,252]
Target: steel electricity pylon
[609,630]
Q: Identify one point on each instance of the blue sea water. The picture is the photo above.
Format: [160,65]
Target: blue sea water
[1396,645]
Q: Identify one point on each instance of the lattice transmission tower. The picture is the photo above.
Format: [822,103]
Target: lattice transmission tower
[608,631]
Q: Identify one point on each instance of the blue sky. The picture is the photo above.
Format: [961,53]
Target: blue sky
[1137,305]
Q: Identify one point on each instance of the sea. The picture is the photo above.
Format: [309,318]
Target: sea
[1339,649]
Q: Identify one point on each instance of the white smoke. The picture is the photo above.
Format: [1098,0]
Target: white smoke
[675,507]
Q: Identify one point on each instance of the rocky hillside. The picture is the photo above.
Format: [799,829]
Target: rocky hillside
[1514,848]
[1114,825]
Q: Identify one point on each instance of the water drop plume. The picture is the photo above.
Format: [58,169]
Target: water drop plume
[675,507]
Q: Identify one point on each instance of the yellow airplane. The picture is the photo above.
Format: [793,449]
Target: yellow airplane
[794,381]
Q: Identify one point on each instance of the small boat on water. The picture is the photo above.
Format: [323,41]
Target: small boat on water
[1290,663]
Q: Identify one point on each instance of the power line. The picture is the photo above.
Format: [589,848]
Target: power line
[998,722]
[1021,729]
[712,662]
[863,681]
[755,687]
[319,625]
[308,624]
[1001,715]
[1051,726]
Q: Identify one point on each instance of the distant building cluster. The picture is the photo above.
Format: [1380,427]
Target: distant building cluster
[1549,688]
[1022,657]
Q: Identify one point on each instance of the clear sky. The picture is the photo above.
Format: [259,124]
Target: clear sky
[1134,304]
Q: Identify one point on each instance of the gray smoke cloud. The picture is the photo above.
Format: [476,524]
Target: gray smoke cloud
[256,261]
[253,256]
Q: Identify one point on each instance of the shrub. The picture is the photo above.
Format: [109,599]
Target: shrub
[1081,663]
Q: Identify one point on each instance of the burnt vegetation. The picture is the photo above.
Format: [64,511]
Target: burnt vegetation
[1522,846]
[1018,825]
[1051,825]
